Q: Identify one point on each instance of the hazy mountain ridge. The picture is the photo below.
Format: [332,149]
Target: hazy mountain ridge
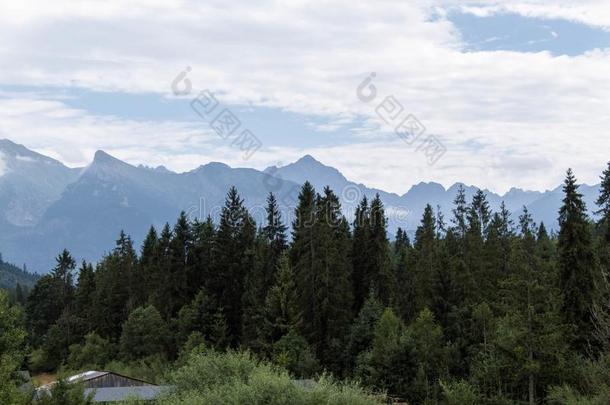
[11,275]
[85,209]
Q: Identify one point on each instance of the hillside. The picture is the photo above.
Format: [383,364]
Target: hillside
[11,275]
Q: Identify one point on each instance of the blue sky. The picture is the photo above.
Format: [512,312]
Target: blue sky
[515,92]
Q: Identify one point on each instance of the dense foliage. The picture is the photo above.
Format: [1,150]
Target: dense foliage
[482,308]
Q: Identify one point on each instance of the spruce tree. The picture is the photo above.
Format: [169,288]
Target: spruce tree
[459,213]
[281,312]
[148,268]
[178,274]
[157,270]
[84,296]
[233,252]
[303,253]
[603,201]
[579,272]
[530,338]
[275,231]
[427,260]
[380,274]
[114,286]
[200,270]
[360,257]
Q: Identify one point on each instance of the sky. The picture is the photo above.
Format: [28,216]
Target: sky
[508,93]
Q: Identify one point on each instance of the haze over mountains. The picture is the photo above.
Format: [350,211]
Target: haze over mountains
[46,206]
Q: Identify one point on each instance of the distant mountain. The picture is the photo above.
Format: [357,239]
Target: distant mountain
[11,275]
[30,184]
[46,207]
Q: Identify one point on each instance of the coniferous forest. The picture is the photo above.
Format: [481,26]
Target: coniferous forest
[477,308]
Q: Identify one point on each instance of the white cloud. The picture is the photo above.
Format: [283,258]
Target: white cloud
[507,118]
[595,13]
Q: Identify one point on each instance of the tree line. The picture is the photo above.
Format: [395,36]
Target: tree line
[477,308]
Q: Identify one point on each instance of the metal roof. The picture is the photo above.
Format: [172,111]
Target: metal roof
[86,376]
[117,394]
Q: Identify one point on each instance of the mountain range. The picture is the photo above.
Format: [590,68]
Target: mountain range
[46,206]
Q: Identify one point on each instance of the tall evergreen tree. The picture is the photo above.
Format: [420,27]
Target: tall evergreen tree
[177,275]
[63,272]
[148,268]
[460,211]
[281,312]
[380,274]
[275,231]
[603,201]
[160,260]
[84,296]
[204,234]
[579,272]
[426,250]
[233,252]
[114,288]
[360,255]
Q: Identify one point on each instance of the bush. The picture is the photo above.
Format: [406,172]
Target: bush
[210,377]
[64,393]
[293,353]
[460,393]
[94,353]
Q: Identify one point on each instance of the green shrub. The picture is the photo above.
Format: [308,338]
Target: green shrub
[94,353]
[210,377]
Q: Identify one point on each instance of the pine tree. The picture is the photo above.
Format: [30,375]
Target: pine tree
[177,276]
[114,287]
[275,232]
[401,241]
[63,274]
[579,273]
[380,274]
[281,312]
[362,330]
[84,296]
[303,253]
[459,213]
[474,254]
[360,257]
[406,298]
[148,268]
[320,257]
[160,260]
[603,201]
[603,240]
[204,234]
[546,248]
[332,292]
[427,260]
[255,291]
[233,252]
[529,345]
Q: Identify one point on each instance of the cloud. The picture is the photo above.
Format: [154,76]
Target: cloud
[499,113]
[595,13]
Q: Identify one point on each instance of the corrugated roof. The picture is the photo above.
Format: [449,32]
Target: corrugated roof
[86,376]
[117,394]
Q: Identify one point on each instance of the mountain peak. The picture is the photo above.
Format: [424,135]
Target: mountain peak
[308,158]
[103,157]
[12,148]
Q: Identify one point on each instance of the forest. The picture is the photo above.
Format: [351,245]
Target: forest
[478,308]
